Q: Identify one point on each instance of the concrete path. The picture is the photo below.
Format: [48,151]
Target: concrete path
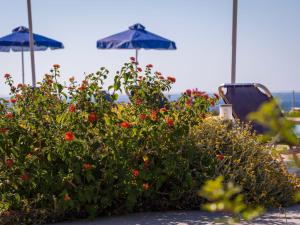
[276,217]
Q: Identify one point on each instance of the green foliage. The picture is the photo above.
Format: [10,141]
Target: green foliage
[71,150]
[241,158]
[269,115]
[294,113]
[227,198]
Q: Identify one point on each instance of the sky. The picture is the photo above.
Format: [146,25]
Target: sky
[268,42]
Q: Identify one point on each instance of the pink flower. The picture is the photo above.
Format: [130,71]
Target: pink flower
[149,66]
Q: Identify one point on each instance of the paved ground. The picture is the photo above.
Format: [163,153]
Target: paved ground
[291,217]
[288,159]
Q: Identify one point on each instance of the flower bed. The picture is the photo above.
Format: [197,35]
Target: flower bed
[72,151]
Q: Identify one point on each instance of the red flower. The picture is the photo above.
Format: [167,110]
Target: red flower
[136,173]
[188,92]
[69,136]
[87,166]
[85,82]
[20,85]
[9,115]
[171,79]
[145,186]
[220,156]
[9,163]
[25,176]
[67,198]
[132,59]
[19,96]
[7,75]
[125,125]
[199,93]
[72,108]
[146,164]
[138,101]
[149,66]
[3,129]
[139,69]
[13,100]
[158,73]
[189,102]
[92,117]
[217,96]
[143,116]
[170,122]
[56,66]
[82,87]
[153,115]
[71,79]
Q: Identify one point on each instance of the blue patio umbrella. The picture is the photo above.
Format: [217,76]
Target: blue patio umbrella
[18,41]
[137,37]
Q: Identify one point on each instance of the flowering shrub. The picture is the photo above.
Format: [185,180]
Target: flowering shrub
[73,151]
[142,87]
[242,159]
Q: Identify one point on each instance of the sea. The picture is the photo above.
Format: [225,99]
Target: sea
[285,99]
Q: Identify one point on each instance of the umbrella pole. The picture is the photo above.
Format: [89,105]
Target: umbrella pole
[234,31]
[136,55]
[136,58]
[23,75]
[31,43]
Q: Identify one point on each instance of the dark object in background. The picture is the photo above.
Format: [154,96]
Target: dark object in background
[246,98]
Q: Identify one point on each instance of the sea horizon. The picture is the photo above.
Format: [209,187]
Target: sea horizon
[285,99]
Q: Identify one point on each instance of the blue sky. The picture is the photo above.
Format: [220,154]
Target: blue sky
[268,39]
